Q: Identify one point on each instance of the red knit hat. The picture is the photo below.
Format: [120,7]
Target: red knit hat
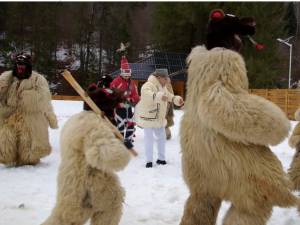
[125,69]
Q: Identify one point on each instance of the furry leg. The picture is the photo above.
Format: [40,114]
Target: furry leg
[294,170]
[256,216]
[201,210]
[31,155]
[64,215]
[8,146]
[108,217]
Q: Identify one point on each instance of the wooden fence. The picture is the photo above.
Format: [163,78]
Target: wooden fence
[287,99]
[66,97]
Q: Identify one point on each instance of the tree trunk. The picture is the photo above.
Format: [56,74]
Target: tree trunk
[100,52]
[88,38]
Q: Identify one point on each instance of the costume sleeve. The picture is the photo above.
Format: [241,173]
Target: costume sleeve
[104,151]
[51,117]
[5,110]
[295,137]
[114,83]
[134,93]
[243,117]
[37,98]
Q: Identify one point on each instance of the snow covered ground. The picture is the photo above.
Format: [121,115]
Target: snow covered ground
[153,196]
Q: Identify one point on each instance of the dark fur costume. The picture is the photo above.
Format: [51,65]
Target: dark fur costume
[224,30]
[106,99]
[104,81]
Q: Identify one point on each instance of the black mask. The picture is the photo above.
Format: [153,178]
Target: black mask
[224,30]
[22,60]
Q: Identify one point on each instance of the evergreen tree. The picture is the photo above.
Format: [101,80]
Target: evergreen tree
[291,19]
[180,26]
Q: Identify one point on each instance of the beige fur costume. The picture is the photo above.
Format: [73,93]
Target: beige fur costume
[87,184]
[294,142]
[25,115]
[225,134]
[170,113]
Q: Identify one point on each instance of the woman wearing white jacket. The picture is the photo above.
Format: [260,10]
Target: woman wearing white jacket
[151,113]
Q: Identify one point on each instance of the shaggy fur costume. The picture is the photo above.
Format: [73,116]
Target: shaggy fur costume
[25,115]
[88,187]
[294,142]
[170,114]
[225,134]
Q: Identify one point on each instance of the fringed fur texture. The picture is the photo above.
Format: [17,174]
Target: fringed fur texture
[294,170]
[225,134]
[88,187]
[297,115]
[295,136]
[294,142]
[25,115]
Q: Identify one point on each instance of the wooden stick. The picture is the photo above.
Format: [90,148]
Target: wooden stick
[177,72]
[68,76]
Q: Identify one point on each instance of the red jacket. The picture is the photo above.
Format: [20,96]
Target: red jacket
[128,86]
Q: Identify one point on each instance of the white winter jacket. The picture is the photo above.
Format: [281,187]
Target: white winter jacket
[151,111]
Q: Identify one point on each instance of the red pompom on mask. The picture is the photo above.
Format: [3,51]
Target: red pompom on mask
[259,46]
[217,14]
[255,44]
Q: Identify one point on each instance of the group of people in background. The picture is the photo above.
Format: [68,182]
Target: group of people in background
[153,109]
[225,154]
[26,111]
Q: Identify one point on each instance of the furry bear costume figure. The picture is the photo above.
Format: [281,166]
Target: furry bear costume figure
[294,142]
[25,115]
[225,134]
[88,187]
[170,113]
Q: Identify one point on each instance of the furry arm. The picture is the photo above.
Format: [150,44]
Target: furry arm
[297,115]
[104,151]
[243,117]
[5,112]
[51,117]
[37,98]
[295,137]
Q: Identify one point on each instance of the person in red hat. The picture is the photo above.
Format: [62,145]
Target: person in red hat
[123,112]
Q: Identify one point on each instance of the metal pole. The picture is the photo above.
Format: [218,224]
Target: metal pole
[290,64]
[290,67]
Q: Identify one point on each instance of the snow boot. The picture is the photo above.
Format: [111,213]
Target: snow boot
[149,165]
[161,162]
